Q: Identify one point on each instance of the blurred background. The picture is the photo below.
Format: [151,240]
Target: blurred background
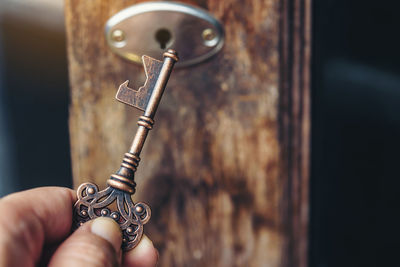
[33,95]
[355,130]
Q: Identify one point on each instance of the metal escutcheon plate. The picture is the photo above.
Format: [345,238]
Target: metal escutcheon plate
[152,27]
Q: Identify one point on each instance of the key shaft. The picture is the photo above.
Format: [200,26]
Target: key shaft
[146,121]
[123,179]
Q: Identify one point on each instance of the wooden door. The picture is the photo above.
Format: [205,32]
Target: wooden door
[226,167]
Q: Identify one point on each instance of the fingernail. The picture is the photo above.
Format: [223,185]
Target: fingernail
[108,229]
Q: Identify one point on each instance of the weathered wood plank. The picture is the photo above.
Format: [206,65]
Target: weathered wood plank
[226,167]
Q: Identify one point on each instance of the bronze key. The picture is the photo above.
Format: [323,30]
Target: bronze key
[115,201]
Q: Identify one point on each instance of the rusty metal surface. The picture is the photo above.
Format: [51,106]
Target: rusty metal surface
[115,201]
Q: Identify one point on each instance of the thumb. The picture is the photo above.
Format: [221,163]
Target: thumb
[96,243]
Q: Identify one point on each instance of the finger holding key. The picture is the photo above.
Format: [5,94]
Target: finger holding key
[98,243]
[40,218]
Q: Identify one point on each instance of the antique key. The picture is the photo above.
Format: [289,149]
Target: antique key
[115,201]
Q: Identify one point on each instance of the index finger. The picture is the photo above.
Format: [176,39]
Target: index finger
[31,217]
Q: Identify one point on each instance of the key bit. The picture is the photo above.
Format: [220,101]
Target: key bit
[140,98]
[115,201]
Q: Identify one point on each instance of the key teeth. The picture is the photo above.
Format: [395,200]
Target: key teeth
[139,98]
[127,95]
[124,84]
[120,89]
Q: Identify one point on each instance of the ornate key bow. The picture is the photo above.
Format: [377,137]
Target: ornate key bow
[115,201]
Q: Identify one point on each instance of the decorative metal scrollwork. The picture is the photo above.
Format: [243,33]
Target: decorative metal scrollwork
[131,217]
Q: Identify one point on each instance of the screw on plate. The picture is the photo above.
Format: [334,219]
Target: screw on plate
[209,37]
[208,34]
[118,35]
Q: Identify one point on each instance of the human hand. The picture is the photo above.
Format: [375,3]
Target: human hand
[35,229]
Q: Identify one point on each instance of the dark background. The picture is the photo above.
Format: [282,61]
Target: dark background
[355,133]
[33,96]
[355,130]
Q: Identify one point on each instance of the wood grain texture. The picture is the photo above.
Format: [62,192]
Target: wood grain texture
[294,126]
[225,168]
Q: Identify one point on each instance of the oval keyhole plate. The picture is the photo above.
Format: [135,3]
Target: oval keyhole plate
[152,27]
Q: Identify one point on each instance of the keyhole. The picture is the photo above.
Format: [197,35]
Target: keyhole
[163,36]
